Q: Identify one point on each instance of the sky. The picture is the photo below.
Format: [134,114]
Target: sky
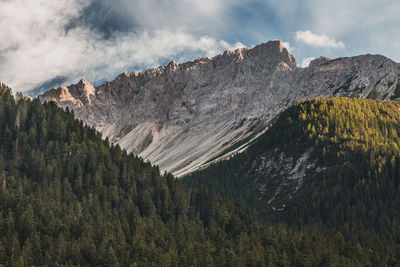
[46,43]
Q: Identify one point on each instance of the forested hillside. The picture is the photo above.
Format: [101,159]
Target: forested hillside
[333,164]
[69,198]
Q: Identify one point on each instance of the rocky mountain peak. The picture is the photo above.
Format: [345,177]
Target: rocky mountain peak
[83,84]
[172,66]
[76,95]
[274,51]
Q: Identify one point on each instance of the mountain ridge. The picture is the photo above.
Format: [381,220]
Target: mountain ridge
[181,116]
[69,198]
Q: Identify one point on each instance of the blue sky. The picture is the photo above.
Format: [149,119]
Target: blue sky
[46,43]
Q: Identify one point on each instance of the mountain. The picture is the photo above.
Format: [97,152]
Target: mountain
[181,117]
[68,198]
[331,163]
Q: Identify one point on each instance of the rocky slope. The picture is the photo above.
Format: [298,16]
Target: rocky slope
[183,116]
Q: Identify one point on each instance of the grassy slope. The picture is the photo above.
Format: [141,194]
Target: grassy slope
[357,141]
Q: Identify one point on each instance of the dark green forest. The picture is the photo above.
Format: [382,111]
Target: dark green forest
[358,193]
[69,198]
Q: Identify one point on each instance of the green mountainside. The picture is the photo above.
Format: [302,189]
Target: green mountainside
[69,198]
[333,164]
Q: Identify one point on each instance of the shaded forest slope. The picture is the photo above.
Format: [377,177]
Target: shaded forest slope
[332,163]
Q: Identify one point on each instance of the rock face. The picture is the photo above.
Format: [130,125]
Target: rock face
[279,175]
[183,116]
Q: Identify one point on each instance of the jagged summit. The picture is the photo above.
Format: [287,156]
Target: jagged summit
[275,50]
[183,116]
[76,95]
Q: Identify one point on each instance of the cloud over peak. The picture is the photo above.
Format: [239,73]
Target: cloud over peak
[317,40]
[55,42]
[306,61]
[44,39]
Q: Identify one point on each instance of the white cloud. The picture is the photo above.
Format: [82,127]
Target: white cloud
[35,47]
[288,47]
[317,40]
[306,61]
